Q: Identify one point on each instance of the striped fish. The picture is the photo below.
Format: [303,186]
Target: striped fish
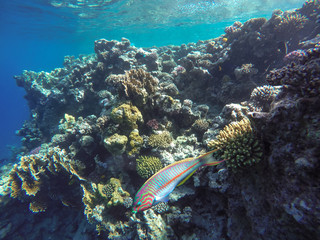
[158,187]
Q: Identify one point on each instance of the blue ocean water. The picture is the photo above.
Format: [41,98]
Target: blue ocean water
[37,34]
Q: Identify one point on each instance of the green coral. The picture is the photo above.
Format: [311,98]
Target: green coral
[147,166]
[116,144]
[135,142]
[127,115]
[238,144]
[162,140]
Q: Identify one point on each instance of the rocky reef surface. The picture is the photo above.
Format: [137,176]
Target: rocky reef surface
[104,123]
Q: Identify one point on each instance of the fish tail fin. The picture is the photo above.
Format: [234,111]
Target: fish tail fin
[209,160]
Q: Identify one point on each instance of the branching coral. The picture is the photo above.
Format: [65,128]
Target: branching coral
[290,24]
[161,140]
[147,166]
[238,144]
[127,115]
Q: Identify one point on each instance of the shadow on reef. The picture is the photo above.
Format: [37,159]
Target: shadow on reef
[106,122]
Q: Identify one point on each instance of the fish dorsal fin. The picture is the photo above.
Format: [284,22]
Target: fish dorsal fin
[186,178]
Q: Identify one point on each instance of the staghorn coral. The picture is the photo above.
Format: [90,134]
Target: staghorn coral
[127,115]
[238,144]
[161,140]
[148,165]
[116,144]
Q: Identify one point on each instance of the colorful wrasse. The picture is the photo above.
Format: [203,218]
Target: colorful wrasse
[158,187]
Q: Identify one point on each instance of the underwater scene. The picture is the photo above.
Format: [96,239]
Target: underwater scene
[173,119]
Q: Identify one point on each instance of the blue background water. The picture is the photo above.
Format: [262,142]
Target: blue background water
[36,36]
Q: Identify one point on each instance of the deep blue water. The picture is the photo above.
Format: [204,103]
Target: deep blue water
[37,34]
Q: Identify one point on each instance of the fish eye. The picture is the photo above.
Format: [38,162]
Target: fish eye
[139,203]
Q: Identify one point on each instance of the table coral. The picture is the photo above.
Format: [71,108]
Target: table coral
[148,165]
[238,145]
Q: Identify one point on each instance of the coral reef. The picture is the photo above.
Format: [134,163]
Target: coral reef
[93,120]
[301,78]
[147,166]
[161,140]
[238,144]
[116,144]
[127,115]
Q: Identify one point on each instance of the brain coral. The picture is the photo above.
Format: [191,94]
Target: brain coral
[238,145]
[147,166]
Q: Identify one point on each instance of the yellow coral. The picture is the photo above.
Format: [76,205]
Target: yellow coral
[238,145]
[162,140]
[31,187]
[135,141]
[147,166]
[67,123]
[37,206]
[127,115]
[118,195]
[116,144]
[15,183]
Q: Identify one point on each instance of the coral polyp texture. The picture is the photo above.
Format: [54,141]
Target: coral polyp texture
[161,140]
[238,145]
[104,123]
[147,166]
[127,115]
